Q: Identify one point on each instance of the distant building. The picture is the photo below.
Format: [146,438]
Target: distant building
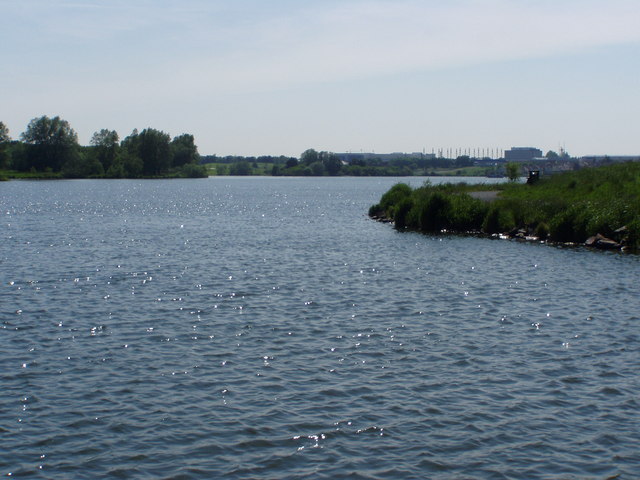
[522,154]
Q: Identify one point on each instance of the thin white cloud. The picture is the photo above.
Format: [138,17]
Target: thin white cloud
[238,46]
[372,38]
[211,47]
[141,61]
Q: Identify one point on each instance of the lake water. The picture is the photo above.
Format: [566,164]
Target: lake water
[249,328]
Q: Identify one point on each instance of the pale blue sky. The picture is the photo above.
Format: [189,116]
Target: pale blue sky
[252,77]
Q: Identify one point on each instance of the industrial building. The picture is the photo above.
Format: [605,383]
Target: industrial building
[522,154]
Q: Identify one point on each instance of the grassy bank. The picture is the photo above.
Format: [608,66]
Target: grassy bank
[16,175]
[184,171]
[570,208]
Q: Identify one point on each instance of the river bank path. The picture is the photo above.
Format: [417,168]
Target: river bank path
[489,196]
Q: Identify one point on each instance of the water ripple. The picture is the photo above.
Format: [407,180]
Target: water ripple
[264,328]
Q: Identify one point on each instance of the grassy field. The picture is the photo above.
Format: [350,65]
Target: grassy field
[569,207]
[215,169]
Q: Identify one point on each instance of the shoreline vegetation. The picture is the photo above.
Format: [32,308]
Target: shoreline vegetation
[312,163]
[596,207]
[49,149]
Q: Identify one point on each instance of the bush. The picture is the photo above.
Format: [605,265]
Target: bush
[569,225]
[240,168]
[542,231]
[466,213]
[605,219]
[395,195]
[191,170]
[561,228]
[498,220]
[77,166]
[434,213]
[401,211]
[376,210]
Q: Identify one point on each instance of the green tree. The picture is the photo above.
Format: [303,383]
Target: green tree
[184,150]
[309,156]
[4,146]
[331,162]
[82,166]
[132,165]
[317,169]
[130,143]
[4,133]
[513,171]
[152,148]
[292,162]
[240,168]
[154,151]
[194,170]
[105,143]
[51,143]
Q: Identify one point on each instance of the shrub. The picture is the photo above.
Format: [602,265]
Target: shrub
[561,228]
[395,195]
[191,170]
[401,211]
[434,213]
[375,210]
[466,213]
[605,218]
[542,231]
[498,220]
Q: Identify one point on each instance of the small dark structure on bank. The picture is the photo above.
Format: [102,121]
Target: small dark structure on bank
[534,176]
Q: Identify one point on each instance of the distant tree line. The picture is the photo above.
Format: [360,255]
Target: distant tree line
[50,146]
[321,163]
